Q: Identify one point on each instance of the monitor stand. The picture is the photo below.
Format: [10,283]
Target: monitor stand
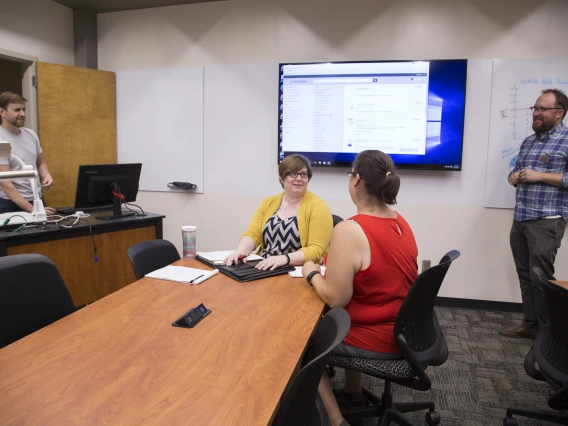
[117,212]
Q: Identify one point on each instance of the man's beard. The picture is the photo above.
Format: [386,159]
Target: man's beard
[541,128]
[17,123]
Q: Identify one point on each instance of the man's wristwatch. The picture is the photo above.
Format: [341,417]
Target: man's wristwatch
[310,276]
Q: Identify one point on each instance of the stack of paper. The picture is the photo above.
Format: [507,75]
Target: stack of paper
[218,257]
[182,274]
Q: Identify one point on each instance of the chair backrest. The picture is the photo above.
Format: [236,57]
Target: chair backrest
[555,342]
[298,407]
[148,256]
[416,320]
[32,295]
[336,219]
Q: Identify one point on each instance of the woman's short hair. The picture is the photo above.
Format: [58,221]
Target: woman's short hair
[293,163]
[376,170]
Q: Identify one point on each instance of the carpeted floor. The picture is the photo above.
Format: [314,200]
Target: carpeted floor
[483,375]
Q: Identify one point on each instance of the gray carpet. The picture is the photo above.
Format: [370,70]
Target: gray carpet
[483,375]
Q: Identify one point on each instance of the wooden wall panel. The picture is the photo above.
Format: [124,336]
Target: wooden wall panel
[86,279]
[77,123]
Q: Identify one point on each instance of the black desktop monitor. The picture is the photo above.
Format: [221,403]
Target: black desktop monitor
[105,184]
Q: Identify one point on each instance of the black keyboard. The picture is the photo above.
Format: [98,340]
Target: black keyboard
[244,272]
[68,210]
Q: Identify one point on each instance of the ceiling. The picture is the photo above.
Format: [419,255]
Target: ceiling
[102,6]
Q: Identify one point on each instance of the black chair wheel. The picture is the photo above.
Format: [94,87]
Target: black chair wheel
[433,418]
[509,421]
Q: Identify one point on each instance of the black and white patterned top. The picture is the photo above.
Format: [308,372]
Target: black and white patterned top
[280,236]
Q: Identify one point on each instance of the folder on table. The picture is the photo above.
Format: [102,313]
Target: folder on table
[214,259]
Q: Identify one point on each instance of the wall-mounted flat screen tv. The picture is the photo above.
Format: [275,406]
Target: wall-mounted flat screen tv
[411,110]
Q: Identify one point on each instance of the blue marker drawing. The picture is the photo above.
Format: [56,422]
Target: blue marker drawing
[513,162]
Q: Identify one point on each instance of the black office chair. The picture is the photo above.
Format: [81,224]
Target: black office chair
[301,406]
[150,255]
[336,219]
[421,344]
[32,295]
[550,353]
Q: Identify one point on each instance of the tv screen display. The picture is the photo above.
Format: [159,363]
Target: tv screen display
[411,110]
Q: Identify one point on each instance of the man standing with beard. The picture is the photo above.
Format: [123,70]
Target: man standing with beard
[17,195]
[541,208]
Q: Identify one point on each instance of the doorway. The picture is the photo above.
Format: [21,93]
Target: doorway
[17,74]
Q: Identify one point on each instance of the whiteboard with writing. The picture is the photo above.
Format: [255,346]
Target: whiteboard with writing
[516,85]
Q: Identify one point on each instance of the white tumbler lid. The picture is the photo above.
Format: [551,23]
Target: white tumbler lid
[189,228]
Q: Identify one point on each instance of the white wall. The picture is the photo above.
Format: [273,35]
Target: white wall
[39,28]
[445,210]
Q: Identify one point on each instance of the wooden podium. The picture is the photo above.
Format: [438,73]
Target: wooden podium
[72,250]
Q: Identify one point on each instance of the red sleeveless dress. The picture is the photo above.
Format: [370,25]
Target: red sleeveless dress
[379,290]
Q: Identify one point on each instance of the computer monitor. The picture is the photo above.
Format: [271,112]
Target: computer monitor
[107,184]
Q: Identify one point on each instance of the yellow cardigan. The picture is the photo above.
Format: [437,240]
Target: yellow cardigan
[314,223]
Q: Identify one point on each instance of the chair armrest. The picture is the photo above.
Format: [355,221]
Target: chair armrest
[530,367]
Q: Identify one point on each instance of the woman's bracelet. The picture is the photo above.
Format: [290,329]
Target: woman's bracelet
[287,259]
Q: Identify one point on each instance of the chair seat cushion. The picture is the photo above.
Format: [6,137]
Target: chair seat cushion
[381,368]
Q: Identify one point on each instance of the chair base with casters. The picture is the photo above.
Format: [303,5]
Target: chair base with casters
[388,411]
[547,416]
[391,371]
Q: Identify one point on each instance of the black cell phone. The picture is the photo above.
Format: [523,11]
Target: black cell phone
[192,317]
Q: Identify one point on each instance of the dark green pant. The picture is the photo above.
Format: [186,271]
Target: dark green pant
[535,243]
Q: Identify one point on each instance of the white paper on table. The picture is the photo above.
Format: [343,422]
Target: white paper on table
[297,273]
[218,257]
[182,274]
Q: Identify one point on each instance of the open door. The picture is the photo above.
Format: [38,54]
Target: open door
[77,124]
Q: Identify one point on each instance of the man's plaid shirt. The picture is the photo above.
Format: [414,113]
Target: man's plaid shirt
[536,200]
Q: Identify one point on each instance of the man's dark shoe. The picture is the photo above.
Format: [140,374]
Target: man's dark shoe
[519,331]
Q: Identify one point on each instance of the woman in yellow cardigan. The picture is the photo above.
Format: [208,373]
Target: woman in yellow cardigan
[292,227]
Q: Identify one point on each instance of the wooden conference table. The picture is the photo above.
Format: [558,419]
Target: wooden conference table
[119,360]
[561,283]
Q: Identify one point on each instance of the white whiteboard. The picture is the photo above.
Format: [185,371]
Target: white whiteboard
[516,85]
[160,124]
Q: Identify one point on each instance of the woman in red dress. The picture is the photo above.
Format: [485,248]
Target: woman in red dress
[370,266]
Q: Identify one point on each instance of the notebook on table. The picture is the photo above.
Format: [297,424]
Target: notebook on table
[182,274]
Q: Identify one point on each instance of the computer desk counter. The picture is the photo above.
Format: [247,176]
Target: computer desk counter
[72,250]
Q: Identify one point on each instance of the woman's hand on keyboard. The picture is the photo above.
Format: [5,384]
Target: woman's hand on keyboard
[272,262]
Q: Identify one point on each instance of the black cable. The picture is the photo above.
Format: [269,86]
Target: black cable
[121,196]
[135,205]
[92,236]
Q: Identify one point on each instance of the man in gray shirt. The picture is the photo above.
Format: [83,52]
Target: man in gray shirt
[17,195]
